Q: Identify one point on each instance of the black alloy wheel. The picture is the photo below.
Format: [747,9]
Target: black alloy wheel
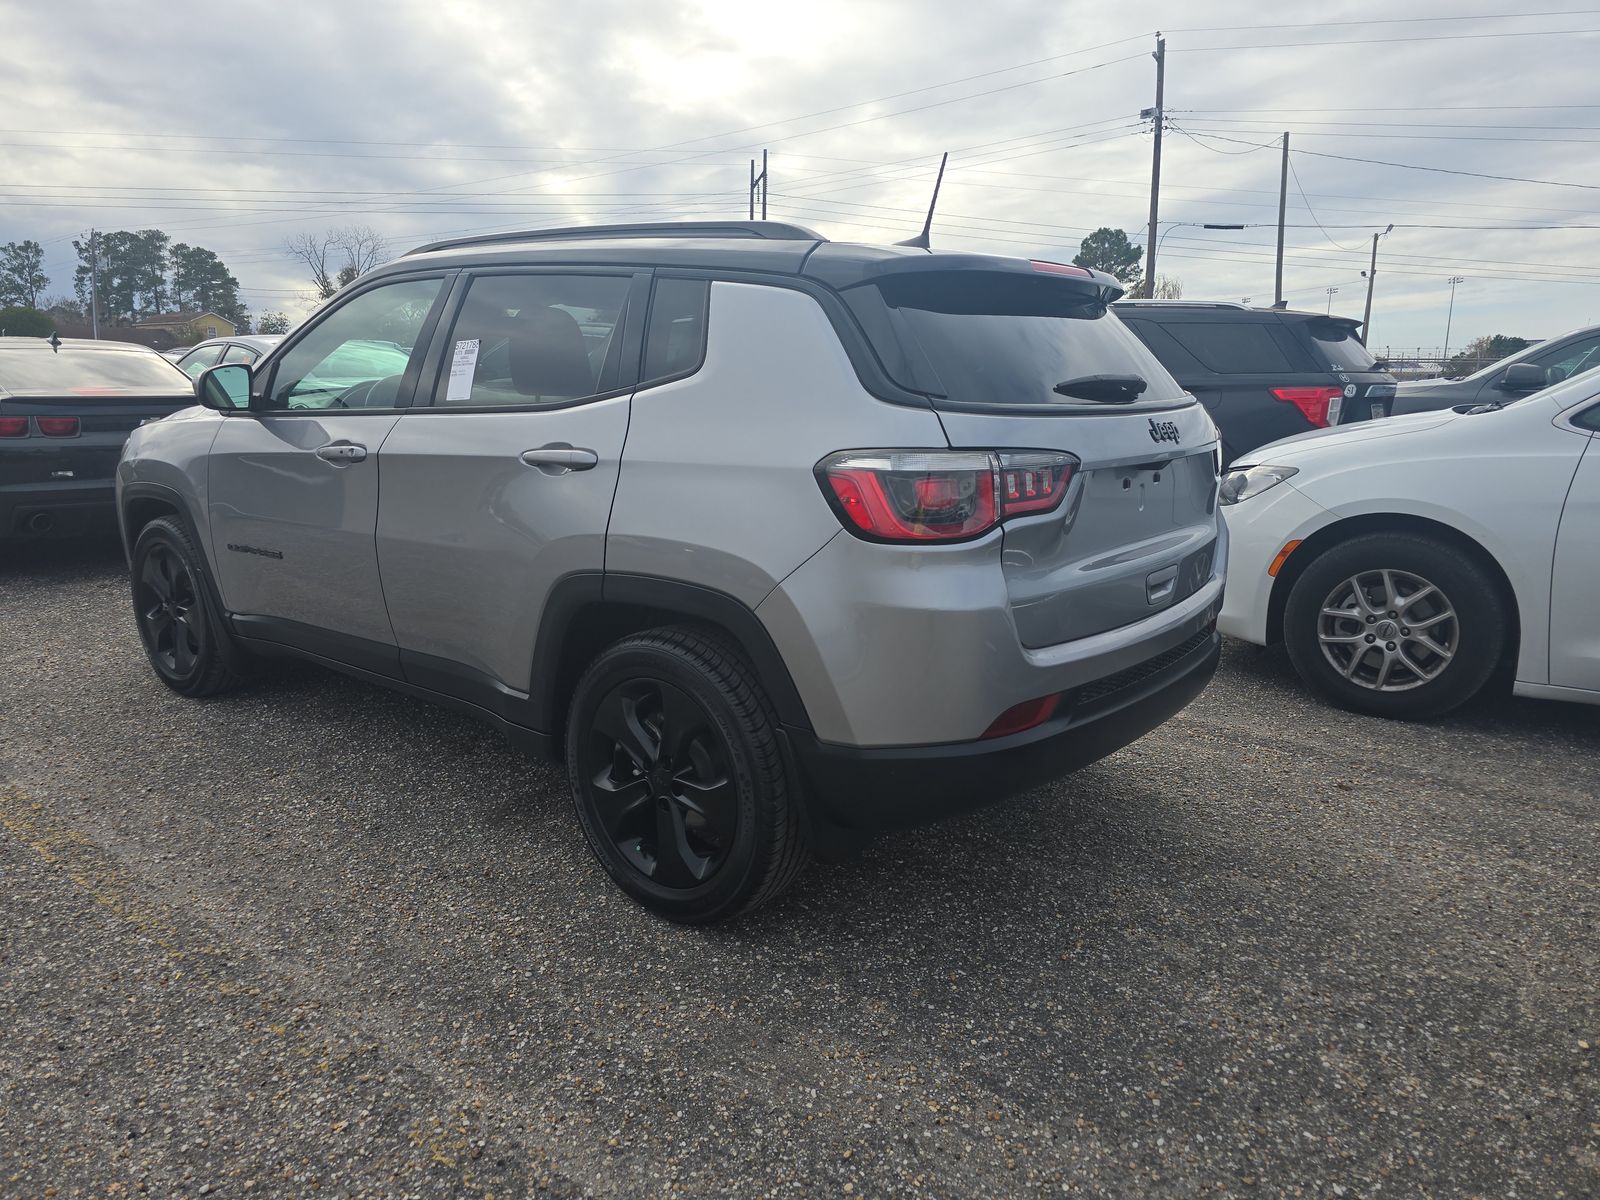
[678,778]
[168,606]
[185,644]
[659,782]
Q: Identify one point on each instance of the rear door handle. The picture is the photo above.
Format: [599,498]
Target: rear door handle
[558,458]
[342,452]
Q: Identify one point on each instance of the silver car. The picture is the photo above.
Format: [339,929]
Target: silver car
[775,541]
[239,348]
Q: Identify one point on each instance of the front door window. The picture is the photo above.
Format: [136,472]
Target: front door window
[356,356]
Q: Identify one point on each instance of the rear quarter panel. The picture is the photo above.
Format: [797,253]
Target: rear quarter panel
[717,486]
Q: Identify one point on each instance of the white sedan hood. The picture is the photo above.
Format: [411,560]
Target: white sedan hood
[1290,449]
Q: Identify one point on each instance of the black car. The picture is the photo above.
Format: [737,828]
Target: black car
[66,408]
[1513,377]
[1263,373]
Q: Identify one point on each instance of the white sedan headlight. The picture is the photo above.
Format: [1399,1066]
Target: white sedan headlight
[1252,481]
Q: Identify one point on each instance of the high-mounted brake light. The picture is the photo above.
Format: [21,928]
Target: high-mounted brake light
[941,495]
[1314,402]
[13,426]
[1055,268]
[58,426]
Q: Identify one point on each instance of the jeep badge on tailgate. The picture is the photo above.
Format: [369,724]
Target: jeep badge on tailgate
[1163,431]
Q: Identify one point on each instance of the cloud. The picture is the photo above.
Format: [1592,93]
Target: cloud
[237,127]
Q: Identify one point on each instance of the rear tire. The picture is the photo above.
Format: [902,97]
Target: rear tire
[182,633]
[678,778]
[1396,625]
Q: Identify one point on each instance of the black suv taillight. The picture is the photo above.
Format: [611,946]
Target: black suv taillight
[941,495]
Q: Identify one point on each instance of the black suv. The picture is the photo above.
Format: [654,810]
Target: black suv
[1263,373]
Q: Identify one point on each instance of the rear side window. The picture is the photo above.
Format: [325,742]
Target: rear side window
[1335,343]
[675,342]
[524,340]
[1000,340]
[1231,347]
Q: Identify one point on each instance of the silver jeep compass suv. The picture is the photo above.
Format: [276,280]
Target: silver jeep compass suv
[774,540]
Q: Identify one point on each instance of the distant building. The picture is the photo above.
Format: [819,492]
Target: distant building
[186,327]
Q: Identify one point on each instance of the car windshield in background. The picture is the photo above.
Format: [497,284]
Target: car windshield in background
[1338,343]
[991,340]
[70,370]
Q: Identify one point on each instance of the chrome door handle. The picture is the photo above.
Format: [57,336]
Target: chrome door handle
[559,458]
[342,452]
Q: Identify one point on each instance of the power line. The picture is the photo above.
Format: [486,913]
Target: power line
[1593,187]
[1432,37]
[1564,12]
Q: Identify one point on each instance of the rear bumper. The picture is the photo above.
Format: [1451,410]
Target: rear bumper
[867,789]
[64,507]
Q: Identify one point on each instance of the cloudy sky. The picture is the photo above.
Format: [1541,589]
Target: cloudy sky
[235,126]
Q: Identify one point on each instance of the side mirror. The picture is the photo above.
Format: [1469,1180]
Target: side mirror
[225,388]
[1523,377]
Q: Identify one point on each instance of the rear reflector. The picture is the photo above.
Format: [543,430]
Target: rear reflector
[941,495]
[1314,402]
[58,426]
[1026,715]
[13,426]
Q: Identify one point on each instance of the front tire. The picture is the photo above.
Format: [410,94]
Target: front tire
[1395,625]
[678,779]
[182,636]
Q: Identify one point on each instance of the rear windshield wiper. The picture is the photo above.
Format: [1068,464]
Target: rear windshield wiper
[1107,389]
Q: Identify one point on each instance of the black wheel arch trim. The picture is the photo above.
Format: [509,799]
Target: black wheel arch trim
[574,595]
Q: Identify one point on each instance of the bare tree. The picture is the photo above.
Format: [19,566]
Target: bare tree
[338,256]
[1169,287]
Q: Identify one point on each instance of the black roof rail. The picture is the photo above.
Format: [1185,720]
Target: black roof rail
[777,231]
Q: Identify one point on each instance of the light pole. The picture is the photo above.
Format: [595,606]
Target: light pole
[1372,276]
[1450,314]
[1331,293]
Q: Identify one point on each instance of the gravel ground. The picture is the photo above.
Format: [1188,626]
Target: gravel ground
[317,938]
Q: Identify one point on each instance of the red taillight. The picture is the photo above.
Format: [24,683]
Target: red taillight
[13,426]
[941,495]
[1313,401]
[1023,716]
[911,496]
[1033,482]
[58,426]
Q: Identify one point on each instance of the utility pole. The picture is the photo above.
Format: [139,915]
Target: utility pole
[94,283]
[1283,209]
[1372,275]
[1158,114]
[762,180]
[1450,315]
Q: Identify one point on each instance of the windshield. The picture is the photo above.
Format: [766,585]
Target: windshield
[89,371]
[1337,342]
[993,340]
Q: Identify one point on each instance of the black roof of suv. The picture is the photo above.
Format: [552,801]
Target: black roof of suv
[1263,373]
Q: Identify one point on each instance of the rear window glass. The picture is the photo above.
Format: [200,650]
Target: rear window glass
[1000,340]
[1337,343]
[1231,347]
[70,370]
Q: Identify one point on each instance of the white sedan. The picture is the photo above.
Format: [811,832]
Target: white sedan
[1405,562]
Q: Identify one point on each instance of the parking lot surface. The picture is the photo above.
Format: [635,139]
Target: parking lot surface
[313,937]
